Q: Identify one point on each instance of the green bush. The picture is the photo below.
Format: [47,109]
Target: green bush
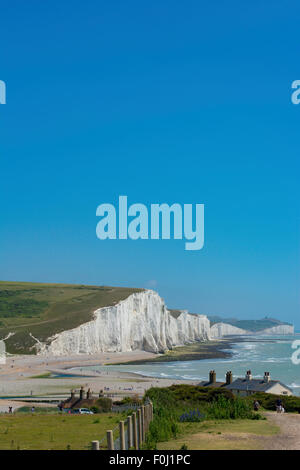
[135,400]
[171,403]
[103,404]
[223,408]
[162,428]
[268,401]
[198,394]
[95,409]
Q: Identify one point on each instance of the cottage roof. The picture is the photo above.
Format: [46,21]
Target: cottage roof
[254,385]
[211,384]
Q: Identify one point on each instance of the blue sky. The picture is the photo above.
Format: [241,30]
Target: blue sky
[162,101]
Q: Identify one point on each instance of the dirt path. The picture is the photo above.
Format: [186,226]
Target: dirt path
[289,436]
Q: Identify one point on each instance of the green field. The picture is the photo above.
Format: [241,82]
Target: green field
[53,431]
[46,309]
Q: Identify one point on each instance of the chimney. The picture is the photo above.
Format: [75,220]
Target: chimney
[72,394]
[248,375]
[267,377]
[89,394]
[81,393]
[228,377]
[212,377]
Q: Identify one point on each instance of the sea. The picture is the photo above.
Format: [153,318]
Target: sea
[258,353]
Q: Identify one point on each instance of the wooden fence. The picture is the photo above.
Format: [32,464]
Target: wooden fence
[131,432]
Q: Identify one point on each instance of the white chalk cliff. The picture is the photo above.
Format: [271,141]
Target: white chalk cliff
[140,322]
[279,330]
[219,330]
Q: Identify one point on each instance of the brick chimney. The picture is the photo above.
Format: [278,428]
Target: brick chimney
[72,394]
[89,394]
[248,375]
[228,377]
[267,377]
[81,393]
[212,377]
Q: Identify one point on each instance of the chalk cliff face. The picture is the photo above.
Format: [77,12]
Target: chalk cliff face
[279,330]
[140,322]
[218,330]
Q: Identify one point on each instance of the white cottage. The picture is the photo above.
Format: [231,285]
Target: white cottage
[248,386]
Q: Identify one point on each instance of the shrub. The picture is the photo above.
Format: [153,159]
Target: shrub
[189,403]
[135,400]
[194,393]
[268,401]
[162,428]
[222,408]
[258,416]
[104,404]
[95,409]
[193,416]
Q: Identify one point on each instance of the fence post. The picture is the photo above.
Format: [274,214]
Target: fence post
[140,426]
[143,423]
[147,408]
[110,440]
[122,435]
[149,415]
[151,411]
[135,432]
[129,432]
[95,445]
[145,420]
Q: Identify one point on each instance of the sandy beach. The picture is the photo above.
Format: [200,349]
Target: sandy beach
[24,379]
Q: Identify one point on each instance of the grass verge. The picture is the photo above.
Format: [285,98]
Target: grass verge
[221,435]
[23,431]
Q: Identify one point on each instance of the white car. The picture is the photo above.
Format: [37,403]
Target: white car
[83,411]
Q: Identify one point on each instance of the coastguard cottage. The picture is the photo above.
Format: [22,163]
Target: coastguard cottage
[84,400]
[248,385]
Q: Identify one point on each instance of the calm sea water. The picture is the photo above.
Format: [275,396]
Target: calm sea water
[258,353]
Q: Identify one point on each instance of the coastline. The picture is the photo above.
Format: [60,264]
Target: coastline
[49,379]
[214,349]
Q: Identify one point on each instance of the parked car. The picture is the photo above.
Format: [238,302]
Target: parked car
[82,411]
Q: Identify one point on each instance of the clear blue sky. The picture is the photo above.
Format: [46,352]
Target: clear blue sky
[163,101]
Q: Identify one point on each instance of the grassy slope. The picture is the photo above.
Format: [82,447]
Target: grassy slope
[220,435]
[53,432]
[47,309]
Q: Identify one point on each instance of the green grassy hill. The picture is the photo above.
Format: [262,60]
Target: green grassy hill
[46,309]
